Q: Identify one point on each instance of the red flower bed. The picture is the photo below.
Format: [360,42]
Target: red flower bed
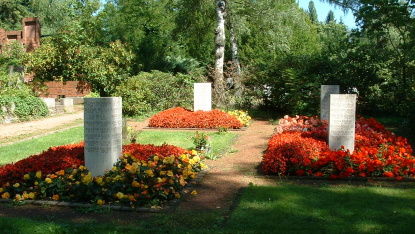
[180,117]
[300,148]
[72,155]
[50,161]
[142,152]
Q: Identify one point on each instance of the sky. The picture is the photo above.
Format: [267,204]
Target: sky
[324,8]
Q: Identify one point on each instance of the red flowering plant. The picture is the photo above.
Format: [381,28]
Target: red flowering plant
[180,117]
[50,161]
[299,147]
[144,175]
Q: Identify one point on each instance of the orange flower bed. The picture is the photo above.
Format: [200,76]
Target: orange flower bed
[180,117]
[300,148]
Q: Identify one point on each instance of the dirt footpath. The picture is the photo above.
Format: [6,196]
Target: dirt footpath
[14,132]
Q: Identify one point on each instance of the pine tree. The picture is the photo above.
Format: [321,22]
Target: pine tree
[330,17]
[312,12]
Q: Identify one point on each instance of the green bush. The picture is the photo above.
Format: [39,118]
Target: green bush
[155,91]
[20,103]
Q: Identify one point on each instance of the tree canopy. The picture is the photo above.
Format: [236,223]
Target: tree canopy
[275,53]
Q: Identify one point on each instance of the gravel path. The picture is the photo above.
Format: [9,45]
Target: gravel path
[233,172]
[26,130]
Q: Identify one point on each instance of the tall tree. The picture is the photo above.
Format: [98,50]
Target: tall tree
[346,5]
[220,40]
[330,17]
[58,14]
[11,14]
[195,22]
[391,27]
[312,12]
[147,27]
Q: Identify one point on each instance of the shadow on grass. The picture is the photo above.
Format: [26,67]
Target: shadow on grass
[343,208]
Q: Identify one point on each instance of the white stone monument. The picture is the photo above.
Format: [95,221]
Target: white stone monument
[342,119]
[202,97]
[67,104]
[50,102]
[103,133]
[326,90]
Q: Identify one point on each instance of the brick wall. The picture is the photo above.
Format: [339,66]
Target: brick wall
[55,89]
[29,36]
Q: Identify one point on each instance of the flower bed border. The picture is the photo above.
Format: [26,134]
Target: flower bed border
[170,206]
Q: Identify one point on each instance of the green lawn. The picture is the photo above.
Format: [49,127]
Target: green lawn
[286,208]
[221,142]
[336,209]
[20,150]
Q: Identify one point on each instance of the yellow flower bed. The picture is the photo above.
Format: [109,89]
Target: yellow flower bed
[242,116]
[131,182]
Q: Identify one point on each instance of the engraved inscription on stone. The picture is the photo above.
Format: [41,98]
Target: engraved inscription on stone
[202,96]
[342,119]
[103,133]
[326,90]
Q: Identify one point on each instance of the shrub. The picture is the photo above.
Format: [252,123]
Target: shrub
[155,91]
[21,104]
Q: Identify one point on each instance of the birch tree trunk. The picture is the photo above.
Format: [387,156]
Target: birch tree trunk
[219,85]
[235,59]
[234,48]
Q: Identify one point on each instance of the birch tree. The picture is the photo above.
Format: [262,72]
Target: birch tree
[219,84]
[236,72]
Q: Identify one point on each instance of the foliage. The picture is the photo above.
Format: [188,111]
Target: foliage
[12,13]
[147,25]
[70,56]
[203,145]
[21,103]
[180,117]
[155,91]
[300,148]
[201,140]
[195,24]
[57,15]
[312,12]
[12,54]
[386,40]
[330,17]
[144,175]
[17,101]
[285,54]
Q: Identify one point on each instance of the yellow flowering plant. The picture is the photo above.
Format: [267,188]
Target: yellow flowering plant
[132,181]
[242,116]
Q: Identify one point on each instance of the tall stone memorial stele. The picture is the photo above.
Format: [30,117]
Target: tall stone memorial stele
[326,90]
[103,133]
[202,97]
[342,119]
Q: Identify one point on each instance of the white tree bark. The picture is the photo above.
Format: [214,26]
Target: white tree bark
[234,48]
[220,51]
[220,37]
